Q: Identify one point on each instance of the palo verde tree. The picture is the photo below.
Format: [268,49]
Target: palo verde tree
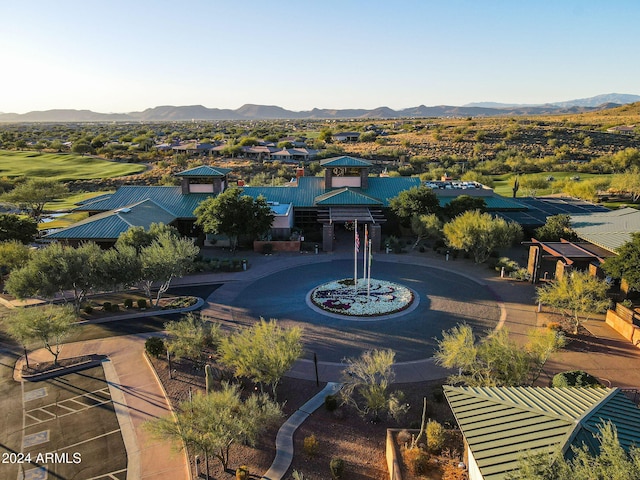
[210,424]
[33,194]
[233,214]
[263,352]
[49,324]
[13,254]
[626,265]
[167,257]
[58,269]
[576,295]
[627,183]
[555,228]
[366,382]
[479,233]
[425,226]
[189,336]
[496,360]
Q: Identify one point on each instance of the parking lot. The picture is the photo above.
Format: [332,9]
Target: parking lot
[70,431]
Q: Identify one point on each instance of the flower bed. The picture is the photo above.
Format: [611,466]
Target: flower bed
[341,297]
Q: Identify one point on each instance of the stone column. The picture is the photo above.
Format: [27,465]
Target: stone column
[327,237]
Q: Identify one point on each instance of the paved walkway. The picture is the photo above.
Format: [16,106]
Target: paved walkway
[284,438]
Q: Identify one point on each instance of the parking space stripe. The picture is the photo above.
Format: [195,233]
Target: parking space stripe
[111,475]
[89,440]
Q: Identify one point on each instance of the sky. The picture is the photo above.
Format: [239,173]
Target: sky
[129,55]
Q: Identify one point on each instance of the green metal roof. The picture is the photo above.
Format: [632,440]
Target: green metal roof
[344,161]
[380,191]
[170,198]
[609,230]
[109,225]
[301,196]
[500,424]
[346,196]
[385,188]
[204,171]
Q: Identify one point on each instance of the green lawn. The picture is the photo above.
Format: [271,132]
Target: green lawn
[503,184]
[69,203]
[62,166]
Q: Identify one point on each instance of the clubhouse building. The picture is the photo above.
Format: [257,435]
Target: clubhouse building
[319,207]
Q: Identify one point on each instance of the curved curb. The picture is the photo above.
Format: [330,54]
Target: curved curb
[284,438]
[56,372]
[148,313]
[362,318]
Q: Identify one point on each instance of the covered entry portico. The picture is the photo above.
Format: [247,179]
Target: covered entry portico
[332,216]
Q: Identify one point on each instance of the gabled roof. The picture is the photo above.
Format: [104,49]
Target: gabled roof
[501,424]
[204,171]
[346,196]
[387,188]
[170,198]
[109,225]
[301,196]
[344,162]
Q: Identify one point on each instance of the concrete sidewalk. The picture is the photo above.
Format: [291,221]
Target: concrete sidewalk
[284,438]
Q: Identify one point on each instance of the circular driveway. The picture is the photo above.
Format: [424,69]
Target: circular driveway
[446,299]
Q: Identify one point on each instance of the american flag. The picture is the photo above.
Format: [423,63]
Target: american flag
[357,242]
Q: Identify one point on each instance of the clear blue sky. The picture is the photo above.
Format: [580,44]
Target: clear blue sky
[128,55]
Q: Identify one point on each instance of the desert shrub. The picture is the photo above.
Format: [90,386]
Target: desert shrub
[521,274]
[330,403]
[575,378]
[416,460]
[403,437]
[128,303]
[88,309]
[554,326]
[435,436]
[242,473]
[115,307]
[337,468]
[154,346]
[310,445]
[106,306]
[508,264]
[142,303]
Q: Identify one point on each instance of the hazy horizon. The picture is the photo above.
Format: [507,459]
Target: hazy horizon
[124,57]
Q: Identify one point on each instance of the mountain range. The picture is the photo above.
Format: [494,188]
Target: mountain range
[266,112]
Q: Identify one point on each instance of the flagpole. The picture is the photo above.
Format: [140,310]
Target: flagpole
[369,272]
[355,256]
[364,258]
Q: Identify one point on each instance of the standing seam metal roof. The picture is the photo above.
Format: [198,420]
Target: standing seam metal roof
[170,198]
[501,423]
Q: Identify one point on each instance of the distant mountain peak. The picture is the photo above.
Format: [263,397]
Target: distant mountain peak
[252,111]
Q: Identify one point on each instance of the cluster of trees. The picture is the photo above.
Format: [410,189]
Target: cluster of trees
[140,257]
[463,222]
[496,359]
[210,423]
